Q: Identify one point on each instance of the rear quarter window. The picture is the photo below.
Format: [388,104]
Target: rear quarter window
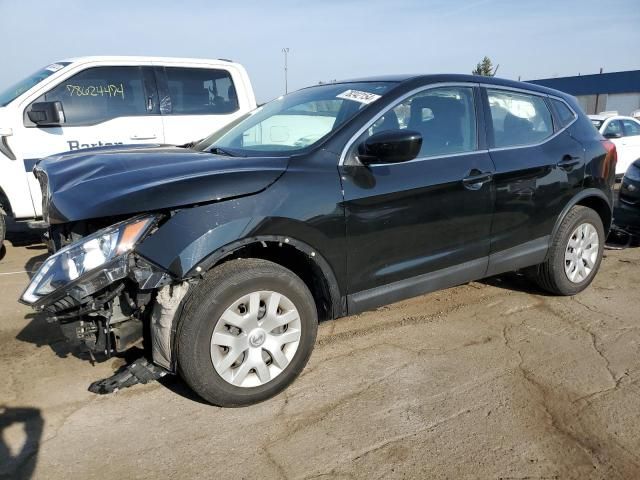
[565,114]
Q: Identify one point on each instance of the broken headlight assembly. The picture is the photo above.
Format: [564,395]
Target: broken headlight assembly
[88,265]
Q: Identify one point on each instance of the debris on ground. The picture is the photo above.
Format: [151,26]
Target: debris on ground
[140,371]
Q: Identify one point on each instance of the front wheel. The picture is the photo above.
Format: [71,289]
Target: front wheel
[247,332]
[3,228]
[574,256]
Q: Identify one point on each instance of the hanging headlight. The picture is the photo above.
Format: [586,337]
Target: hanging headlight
[99,259]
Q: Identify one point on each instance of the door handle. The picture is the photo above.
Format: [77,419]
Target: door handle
[476,179]
[148,136]
[568,162]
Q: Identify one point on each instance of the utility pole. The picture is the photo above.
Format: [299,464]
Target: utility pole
[286,84]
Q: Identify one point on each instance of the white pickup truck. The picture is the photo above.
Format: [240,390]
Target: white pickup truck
[98,101]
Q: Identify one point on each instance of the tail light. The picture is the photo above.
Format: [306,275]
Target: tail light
[610,159]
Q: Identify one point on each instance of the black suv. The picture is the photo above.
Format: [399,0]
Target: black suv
[221,256]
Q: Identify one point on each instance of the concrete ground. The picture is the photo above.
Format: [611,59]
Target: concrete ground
[487,380]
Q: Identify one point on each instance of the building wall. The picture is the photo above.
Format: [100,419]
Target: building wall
[615,91]
[623,103]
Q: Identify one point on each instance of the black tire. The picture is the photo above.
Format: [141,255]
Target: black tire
[203,309]
[551,275]
[3,228]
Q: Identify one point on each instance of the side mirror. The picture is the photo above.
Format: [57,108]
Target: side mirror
[613,135]
[391,146]
[46,113]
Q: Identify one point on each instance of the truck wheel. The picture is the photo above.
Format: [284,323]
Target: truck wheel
[574,256]
[3,228]
[246,333]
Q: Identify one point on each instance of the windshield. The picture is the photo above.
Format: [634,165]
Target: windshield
[9,94]
[294,122]
[597,123]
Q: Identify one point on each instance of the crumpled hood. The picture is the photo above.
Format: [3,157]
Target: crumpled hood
[120,180]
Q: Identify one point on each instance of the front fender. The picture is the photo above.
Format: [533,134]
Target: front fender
[193,234]
[293,207]
[200,236]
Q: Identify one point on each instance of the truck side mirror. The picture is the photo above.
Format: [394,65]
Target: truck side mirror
[47,113]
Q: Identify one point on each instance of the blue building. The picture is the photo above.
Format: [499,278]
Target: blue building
[616,91]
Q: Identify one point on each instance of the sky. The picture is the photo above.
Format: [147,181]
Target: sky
[330,39]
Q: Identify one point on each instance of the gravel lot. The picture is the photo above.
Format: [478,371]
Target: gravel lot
[486,380]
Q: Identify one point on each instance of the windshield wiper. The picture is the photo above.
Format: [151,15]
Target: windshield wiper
[221,151]
[190,144]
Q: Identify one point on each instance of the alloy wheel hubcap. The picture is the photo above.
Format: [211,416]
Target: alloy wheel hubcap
[255,339]
[582,253]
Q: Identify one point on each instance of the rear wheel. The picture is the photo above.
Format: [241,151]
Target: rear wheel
[574,256]
[247,332]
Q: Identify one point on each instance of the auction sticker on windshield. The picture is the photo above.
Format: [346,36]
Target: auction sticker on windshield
[54,67]
[359,96]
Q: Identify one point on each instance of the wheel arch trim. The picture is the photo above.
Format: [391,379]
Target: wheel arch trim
[229,249]
[581,197]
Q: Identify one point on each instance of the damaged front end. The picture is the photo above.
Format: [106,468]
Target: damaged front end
[106,297]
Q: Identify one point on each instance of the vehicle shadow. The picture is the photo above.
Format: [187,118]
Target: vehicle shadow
[176,385]
[41,333]
[20,435]
[33,264]
[515,281]
[21,236]
[32,241]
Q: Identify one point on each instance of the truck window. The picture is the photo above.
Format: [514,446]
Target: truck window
[200,91]
[14,91]
[99,94]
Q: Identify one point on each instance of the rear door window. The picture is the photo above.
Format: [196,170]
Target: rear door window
[631,128]
[518,119]
[99,94]
[199,91]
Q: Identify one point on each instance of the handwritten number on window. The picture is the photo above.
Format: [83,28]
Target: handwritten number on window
[111,90]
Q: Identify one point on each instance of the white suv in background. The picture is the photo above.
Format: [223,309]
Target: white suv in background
[100,101]
[624,132]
